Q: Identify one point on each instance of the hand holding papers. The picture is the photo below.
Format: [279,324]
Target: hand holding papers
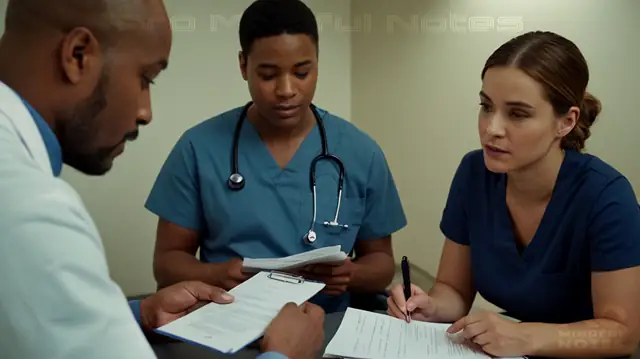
[331,254]
[231,273]
[367,335]
[230,327]
[336,277]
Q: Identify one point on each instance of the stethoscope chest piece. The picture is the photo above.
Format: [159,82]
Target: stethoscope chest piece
[236,181]
[310,237]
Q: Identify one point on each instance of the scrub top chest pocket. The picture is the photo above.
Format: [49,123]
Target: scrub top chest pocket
[350,213]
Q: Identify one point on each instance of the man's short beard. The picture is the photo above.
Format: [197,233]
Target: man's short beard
[79,132]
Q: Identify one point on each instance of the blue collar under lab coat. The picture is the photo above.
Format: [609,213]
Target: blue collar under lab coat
[50,140]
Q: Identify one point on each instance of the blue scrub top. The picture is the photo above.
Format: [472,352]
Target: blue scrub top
[591,224]
[271,215]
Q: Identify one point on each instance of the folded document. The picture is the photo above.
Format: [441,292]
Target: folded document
[368,335]
[332,254]
[230,327]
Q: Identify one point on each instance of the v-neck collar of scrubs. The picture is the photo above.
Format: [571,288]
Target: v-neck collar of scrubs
[505,239]
[310,147]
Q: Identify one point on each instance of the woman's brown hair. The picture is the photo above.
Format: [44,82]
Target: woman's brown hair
[558,65]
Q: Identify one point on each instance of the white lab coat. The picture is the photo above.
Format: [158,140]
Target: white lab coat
[57,300]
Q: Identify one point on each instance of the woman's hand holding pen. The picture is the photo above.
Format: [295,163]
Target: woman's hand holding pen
[420,306]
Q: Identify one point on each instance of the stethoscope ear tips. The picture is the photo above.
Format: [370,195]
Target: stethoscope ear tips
[235,181]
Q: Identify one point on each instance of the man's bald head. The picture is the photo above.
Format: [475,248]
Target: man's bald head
[87,67]
[106,19]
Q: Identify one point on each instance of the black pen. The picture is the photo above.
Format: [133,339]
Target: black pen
[406,281]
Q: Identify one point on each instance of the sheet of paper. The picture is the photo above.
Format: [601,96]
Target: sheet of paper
[332,254]
[230,327]
[368,335]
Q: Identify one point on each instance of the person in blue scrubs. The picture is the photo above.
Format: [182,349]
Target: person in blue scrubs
[539,228]
[279,138]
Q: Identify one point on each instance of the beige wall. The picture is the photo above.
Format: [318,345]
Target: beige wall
[415,88]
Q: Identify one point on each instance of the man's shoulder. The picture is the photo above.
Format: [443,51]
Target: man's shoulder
[37,196]
[217,126]
[211,133]
[350,141]
[347,129]
[60,277]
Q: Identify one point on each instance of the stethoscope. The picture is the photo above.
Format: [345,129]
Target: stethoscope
[236,181]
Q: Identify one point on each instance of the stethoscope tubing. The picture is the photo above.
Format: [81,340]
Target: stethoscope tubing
[236,181]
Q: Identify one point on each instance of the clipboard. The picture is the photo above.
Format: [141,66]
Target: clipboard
[285,277]
[282,277]
[228,328]
[289,278]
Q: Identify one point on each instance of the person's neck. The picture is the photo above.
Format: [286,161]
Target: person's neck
[271,134]
[535,183]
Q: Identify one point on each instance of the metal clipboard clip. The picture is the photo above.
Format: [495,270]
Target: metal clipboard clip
[285,277]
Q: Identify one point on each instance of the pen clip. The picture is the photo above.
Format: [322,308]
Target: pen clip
[285,277]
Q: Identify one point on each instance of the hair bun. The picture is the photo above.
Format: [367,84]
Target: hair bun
[589,109]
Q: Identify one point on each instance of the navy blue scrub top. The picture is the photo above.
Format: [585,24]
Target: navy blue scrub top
[271,215]
[591,224]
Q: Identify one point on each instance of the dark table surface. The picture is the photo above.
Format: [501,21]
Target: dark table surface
[179,350]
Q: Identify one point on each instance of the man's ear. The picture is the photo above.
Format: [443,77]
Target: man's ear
[567,122]
[80,55]
[242,62]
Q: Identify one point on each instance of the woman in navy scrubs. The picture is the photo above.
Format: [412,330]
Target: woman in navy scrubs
[537,227]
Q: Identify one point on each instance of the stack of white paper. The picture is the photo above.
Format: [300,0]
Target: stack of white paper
[368,335]
[230,327]
[332,254]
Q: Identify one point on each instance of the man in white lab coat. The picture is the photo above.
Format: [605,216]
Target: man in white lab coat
[74,87]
